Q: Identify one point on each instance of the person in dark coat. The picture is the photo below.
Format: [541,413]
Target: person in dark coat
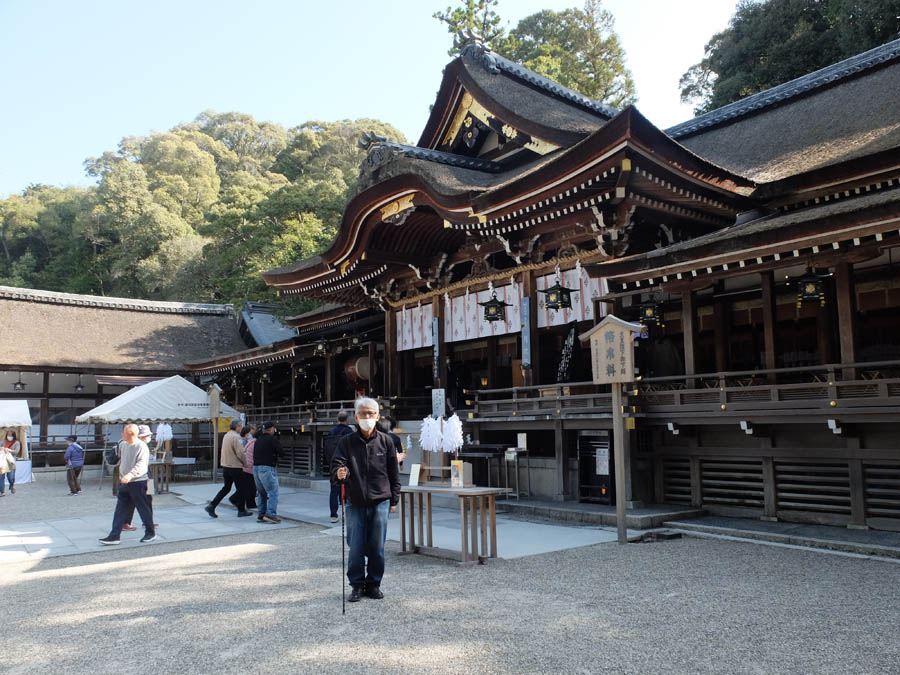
[266,452]
[331,440]
[367,462]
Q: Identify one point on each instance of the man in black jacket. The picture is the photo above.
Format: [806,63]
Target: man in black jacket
[266,451]
[367,461]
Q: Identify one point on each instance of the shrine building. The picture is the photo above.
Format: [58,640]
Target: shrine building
[755,243]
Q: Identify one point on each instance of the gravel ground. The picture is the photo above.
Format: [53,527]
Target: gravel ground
[271,603]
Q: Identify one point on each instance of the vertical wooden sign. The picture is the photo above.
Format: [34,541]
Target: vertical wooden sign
[612,360]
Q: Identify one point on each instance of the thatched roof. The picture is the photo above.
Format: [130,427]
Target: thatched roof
[842,112]
[82,331]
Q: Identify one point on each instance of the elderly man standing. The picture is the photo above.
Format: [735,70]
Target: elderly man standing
[367,461]
[232,462]
[135,458]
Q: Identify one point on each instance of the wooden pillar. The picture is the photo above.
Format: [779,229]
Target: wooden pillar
[559,493]
[723,324]
[98,428]
[45,407]
[846,315]
[857,487]
[767,284]
[770,489]
[439,348]
[329,376]
[696,481]
[492,362]
[529,290]
[825,316]
[689,330]
[374,388]
[292,374]
[262,393]
[391,368]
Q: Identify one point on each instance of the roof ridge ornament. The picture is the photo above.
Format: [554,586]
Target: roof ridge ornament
[469,43]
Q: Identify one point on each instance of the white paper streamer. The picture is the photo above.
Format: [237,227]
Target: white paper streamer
[453,436]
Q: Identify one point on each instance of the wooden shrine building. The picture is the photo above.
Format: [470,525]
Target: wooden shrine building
[66,353]
[755,242]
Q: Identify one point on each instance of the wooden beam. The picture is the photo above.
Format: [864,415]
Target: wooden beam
[846,310]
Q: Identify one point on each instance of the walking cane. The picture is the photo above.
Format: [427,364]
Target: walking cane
[343,562]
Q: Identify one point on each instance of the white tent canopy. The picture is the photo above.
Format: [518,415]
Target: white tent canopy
[173,399]
[14,414]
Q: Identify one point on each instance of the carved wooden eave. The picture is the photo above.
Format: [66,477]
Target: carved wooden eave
[591,189]
[851,230]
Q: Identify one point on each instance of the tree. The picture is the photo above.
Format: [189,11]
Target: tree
[577,48]
[769,43]
[477,16]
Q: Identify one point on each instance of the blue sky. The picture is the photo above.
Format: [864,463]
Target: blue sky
[78,76]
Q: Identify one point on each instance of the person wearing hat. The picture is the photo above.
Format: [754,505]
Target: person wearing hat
[266,452]
[145,435]
[74,464]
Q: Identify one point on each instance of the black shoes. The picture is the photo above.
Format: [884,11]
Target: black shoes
[374,592]
[244,514]
[211,510]
[354,596]
[147,538]
[109,541]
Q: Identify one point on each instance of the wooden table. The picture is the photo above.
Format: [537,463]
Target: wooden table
[162,473]
[478,516]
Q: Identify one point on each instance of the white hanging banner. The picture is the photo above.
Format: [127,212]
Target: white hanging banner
[464,317]
[414,327]
[584,290]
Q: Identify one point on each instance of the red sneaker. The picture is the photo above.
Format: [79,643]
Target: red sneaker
[129,528]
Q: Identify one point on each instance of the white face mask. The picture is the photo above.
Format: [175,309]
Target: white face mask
[9,437]
[367,424]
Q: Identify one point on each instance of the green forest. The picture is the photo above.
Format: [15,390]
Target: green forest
[194,214]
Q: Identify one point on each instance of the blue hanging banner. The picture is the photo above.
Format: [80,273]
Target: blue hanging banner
[526,332]
[436,359]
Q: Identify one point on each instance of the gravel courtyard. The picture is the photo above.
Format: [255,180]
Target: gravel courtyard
[271,603]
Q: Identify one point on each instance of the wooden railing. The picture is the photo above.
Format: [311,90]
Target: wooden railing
[326,412]
[871,389]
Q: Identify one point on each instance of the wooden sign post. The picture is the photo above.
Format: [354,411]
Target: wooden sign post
[612,360]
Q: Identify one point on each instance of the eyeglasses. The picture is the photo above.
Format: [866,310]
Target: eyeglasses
[367,413]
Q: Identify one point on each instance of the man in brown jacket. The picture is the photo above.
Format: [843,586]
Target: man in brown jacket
[232,462]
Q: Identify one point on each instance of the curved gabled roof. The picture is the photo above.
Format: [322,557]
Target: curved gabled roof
[520,97]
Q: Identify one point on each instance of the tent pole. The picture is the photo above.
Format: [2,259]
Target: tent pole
[215,433]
